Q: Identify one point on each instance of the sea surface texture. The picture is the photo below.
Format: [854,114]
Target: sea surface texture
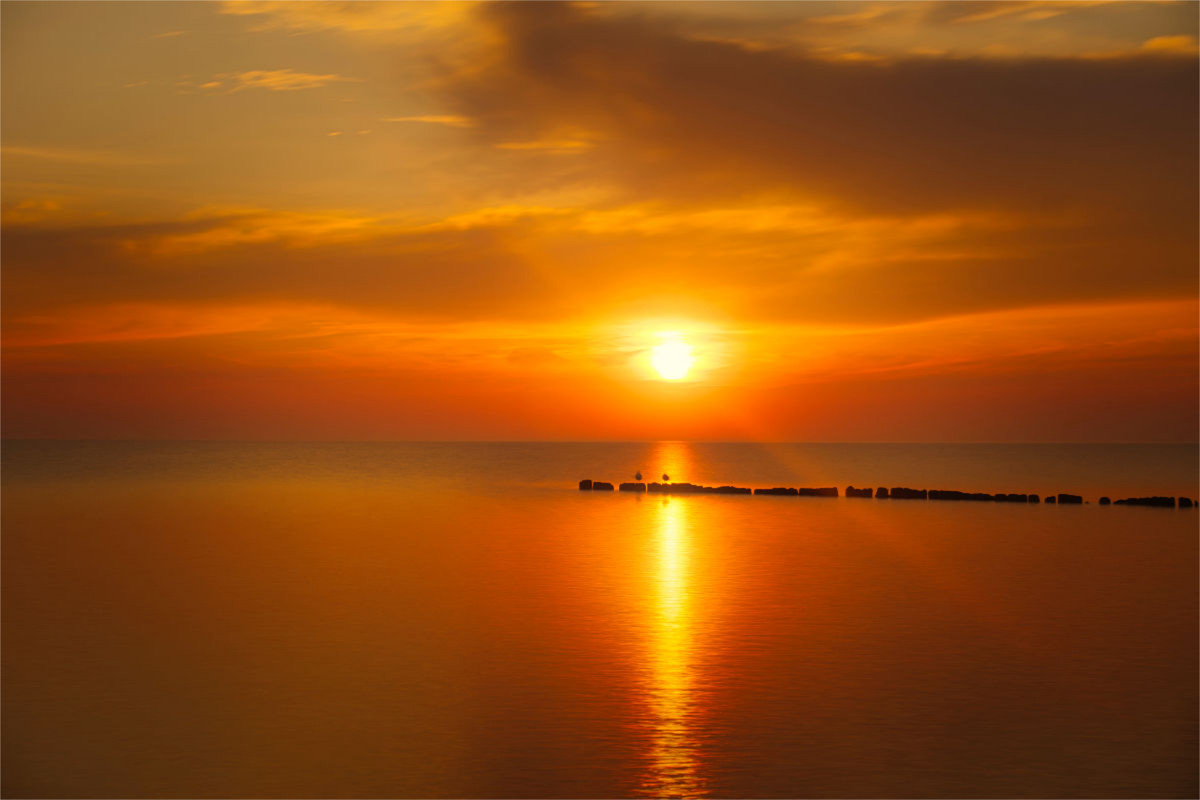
[458,620]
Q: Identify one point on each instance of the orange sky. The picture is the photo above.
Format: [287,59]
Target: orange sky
[871,221]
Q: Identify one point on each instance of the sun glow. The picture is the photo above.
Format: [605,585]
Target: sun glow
[673,358]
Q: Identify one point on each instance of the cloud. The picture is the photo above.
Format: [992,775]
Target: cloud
[1021,10]
[283,80]
[680,117]
[240,258]
[1183,45]
[889,30]
[30,211]
[353,17]
[274,80]
[863,15]
[224,228]
[945,12]
[450,120]
[550,145]
[764,264]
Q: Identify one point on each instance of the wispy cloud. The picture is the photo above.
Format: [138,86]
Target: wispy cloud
[1186,45]
[307,17]
[29,211]
[274,80]
[860,16]
[255,226]
[552,145]
[283,80]
[1029,11]
[452,120]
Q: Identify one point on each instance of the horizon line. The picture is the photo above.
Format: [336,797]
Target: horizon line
[166,440]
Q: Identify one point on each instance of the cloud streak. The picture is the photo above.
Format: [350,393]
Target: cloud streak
[450,120]
[272,80]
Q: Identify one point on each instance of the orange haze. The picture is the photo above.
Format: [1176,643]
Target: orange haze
[933,221]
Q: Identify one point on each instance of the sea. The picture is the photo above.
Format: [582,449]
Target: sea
[458,620]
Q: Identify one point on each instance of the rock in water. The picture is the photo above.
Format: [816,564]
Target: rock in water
[1159,502]
[950,494]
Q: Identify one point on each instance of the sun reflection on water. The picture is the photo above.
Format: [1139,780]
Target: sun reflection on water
[673,768]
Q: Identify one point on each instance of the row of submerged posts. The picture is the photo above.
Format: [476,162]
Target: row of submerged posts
[882,493]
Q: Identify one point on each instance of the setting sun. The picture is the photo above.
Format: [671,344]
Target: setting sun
[672,359]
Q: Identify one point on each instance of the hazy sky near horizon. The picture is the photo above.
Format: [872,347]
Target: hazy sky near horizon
[901,221]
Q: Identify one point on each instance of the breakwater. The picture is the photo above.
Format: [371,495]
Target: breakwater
[883,493]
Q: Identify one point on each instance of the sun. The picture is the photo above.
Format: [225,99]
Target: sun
[672,359]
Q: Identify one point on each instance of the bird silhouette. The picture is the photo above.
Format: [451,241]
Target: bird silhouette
[666,477]
[638,476]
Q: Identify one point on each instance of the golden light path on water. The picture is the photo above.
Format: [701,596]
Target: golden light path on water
[674,766]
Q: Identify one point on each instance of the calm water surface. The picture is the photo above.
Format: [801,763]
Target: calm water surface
[376,620]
